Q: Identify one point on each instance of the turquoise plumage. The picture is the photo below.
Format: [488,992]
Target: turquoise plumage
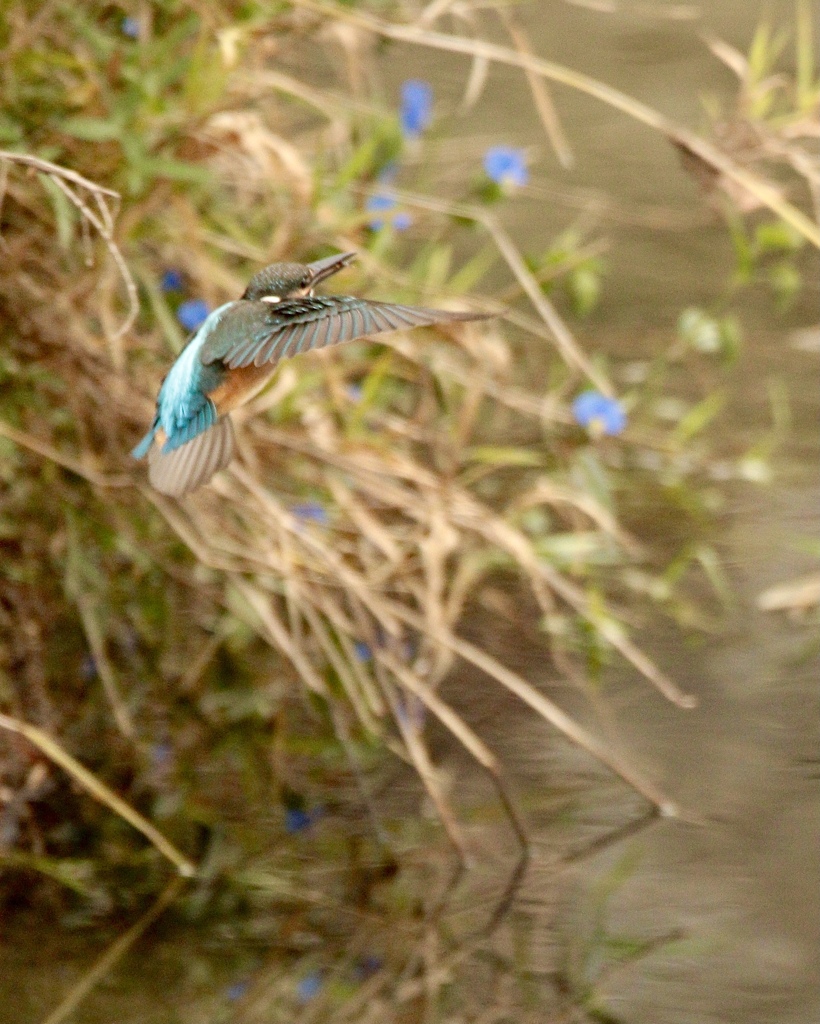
[238,347]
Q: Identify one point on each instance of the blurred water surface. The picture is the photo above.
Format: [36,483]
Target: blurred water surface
[746,885]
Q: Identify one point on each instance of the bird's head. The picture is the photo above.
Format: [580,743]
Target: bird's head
[293,280]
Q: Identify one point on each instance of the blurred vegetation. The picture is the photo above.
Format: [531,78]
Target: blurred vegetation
[237,667]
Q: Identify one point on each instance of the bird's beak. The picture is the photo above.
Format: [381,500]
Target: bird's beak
[322,269]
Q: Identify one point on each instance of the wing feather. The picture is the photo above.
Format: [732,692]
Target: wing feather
[309,337]
[191,465]
[381,321]
[362,323]
[260,333]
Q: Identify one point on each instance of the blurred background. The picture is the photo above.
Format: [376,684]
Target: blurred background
[482,685]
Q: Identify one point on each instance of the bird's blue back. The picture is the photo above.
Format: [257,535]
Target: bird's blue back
[183,406]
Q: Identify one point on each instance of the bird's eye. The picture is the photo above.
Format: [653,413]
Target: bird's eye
[273,299]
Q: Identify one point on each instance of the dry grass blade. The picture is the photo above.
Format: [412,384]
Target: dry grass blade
[765,193]
[468,513]
[115,952]
[566,344]
[390,612]
[485,757]
[102,220]
[413,740]
[540,93]
[46,451]
[96,644]
[54,752]
[551,713]
[344,666]
[279,635]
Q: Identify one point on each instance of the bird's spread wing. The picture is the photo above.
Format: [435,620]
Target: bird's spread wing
[192,464]
[300,325]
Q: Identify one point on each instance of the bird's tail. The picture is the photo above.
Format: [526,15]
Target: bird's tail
[142,448]
[183,469]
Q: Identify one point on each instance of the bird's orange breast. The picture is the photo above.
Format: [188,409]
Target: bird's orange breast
[239,385]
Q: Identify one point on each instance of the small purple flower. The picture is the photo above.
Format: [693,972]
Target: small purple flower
[362,651]
[171,281]
[367,966]
[193,314]
[311,512]
[309,987]
[130,27]
[237,990]
[599,413]
[297,819]
[162,754]
[506,166]
[411,711]
[355,392]
[380,203]
[88,668]
[416,107]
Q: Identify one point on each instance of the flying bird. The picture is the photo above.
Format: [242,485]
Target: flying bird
[236,350]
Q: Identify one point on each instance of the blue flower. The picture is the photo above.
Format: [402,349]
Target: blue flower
[237,990]
[311,512]
[171,281]
[380,203]
[598,413]
[297,819]
[362,651]
[130,27]
[309,987]
[354,392]
[506,166]
[367,966]
[88,668]
[416,107]
[193,313]
[162,754]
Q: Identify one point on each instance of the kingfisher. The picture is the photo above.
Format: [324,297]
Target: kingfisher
[237,348]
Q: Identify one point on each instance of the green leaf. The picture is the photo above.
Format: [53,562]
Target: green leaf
[91,129]
[699,330]
[589,474]
[579,549]
[468,276]
[10,131]
[711,564]
[777,236]
[785,281]
[176,170]
[808,87]
[707,334]
[585,289]
[499,455]
[698,418]
[65,213]
[731,337]
[74,874]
